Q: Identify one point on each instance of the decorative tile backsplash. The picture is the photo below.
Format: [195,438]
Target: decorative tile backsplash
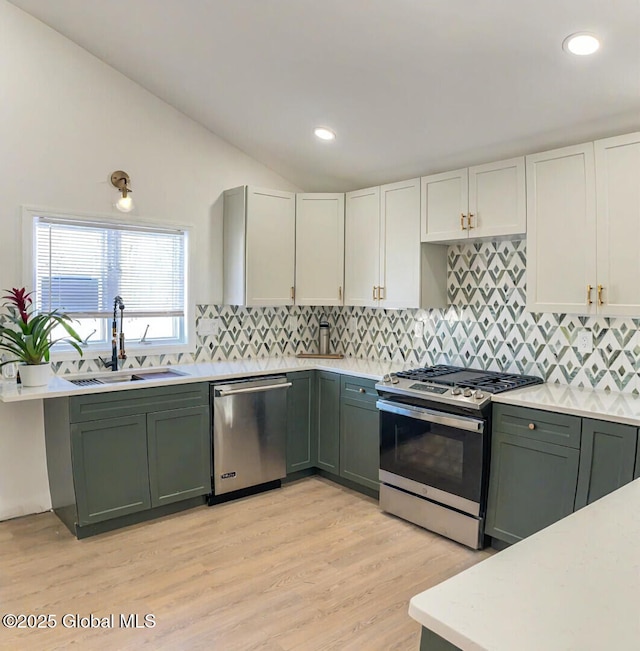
[485,326]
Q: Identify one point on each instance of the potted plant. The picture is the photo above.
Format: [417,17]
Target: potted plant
[26,336]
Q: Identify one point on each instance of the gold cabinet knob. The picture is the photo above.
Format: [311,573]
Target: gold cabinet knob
[361,390]
[532,426]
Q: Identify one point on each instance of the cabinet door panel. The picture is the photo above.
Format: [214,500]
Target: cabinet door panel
[110,469]
[319,249]
[445,198]
[400,244]
[618,204]
[362,247]
[497,199]
[607,459]
[301,421]
[561,235]
[532,484]
[179,454]
[359,442]
[328,415]
[270,252]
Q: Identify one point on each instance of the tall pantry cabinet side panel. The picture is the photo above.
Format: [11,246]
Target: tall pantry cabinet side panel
[270,247]
[319,249]
[618,223]
[234,238]
[400,244]
[362,247]
[561,231]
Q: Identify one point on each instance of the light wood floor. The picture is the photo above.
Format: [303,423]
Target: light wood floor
[310,566]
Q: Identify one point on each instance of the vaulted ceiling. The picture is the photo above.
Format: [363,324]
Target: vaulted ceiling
[409,86]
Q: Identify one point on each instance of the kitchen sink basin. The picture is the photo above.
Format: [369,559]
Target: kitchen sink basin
[122,378]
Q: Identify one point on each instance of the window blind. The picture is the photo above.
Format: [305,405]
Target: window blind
[80,266]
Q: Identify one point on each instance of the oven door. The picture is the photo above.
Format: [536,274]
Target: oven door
[435,454]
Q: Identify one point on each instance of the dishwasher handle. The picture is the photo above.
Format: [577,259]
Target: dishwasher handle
[270,387]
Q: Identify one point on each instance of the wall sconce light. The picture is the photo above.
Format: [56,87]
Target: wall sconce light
[121,180]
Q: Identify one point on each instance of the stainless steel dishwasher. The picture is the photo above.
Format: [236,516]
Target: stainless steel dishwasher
[249,434]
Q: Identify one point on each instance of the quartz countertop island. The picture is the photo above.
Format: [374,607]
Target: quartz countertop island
[574,586]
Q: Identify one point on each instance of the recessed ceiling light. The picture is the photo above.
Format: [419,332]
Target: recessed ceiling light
[324,133]
[581,43]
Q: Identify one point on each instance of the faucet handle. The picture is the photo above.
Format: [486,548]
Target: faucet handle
[107,364]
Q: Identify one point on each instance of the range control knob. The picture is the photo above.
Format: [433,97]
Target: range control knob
[456,391]
[467,393]
[478,395]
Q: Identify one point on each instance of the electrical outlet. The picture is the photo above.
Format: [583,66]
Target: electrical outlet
[292,324]
[353,325]
[585,341]
[418,329]
[209,326]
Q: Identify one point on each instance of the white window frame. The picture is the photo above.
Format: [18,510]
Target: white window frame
[133,348]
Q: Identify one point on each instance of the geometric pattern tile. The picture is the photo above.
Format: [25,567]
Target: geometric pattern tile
[485,326]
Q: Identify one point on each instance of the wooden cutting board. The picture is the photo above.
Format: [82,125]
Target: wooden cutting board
[318,356]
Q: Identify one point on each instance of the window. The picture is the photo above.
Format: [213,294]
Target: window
[80,265]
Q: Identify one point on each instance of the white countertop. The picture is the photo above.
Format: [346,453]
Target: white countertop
[589,403]
[59,386]
[573,586]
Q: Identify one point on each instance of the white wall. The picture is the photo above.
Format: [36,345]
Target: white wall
[66,122]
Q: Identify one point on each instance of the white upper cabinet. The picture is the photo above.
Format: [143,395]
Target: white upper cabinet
[445,200]
[319,249]
[618,224]
[400,245]
[583,205]
[483,201]
[561,230]
[362,247]
[259,247]
[385,264]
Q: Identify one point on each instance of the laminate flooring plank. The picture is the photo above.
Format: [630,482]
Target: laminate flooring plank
[313,566]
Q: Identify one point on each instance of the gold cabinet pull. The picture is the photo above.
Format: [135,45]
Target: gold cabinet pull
[469,226]
[600,301]
[382,293]
[374,292]
[340,293]
[462,216]
[293,293]
[532,426]
[589,301]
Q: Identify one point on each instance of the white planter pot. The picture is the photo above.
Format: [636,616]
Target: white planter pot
[36,375]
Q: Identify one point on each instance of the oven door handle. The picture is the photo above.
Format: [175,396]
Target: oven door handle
[431,416]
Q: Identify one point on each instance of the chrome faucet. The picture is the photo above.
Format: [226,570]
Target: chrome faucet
[117,341]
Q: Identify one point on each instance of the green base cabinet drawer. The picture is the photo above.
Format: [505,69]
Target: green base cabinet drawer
[532,485]
[559,429]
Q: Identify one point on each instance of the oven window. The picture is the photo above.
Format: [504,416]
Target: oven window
[437,454]
[441,456]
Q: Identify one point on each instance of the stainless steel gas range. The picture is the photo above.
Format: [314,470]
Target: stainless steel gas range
[435,426]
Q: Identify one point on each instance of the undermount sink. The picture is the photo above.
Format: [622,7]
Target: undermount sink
[121,378]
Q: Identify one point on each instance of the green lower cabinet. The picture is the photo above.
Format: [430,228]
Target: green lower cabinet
[301,421]
[359,441]
[110,469]
[532,485]
[607,459]
[328,422]
[179,452]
